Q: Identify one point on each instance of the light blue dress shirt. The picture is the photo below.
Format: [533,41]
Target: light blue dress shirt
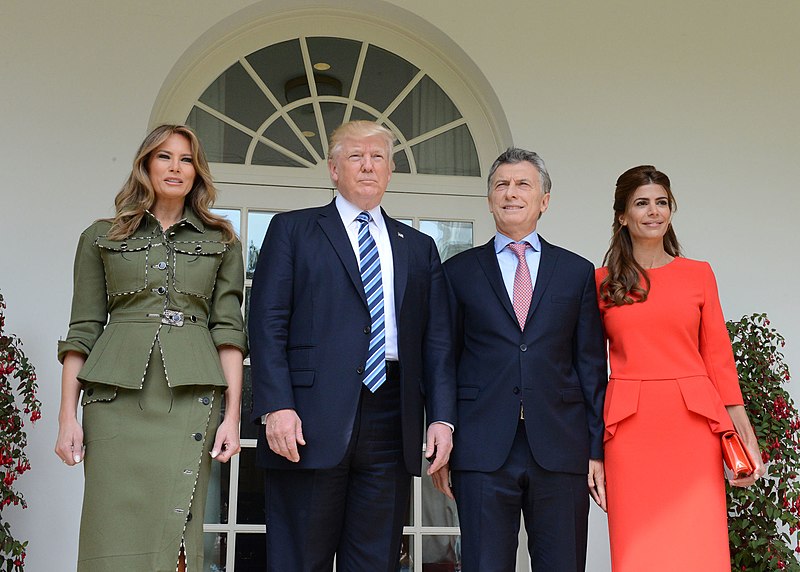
[508,260]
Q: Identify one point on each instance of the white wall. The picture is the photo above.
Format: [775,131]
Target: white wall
[705,91]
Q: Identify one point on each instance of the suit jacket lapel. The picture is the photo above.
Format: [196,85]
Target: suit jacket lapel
[400,257]
[331,224]
[487,258]
[547,264]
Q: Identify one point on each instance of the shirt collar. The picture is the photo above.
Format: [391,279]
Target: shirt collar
[501,241]
[189,216]
[348,211]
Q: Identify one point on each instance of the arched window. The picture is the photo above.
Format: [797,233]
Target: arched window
[276,106]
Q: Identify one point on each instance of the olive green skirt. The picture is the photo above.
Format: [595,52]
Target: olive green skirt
[147,469]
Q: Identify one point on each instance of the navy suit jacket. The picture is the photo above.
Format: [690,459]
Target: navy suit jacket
[309,334]
[556,367]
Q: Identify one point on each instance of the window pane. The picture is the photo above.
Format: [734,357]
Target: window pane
[280,132]
[235,94]
[257,224]
[437,509]
[248,430]
[424,109]
[246,304]
[407,554]
[401,164]
[340,54]
[234,216]
[250,504]
[306,121]
[215,551]
[450,153]
[441,553]
[221,142]
[251,552]
[384,76]
[265,155]
[451,237]
[359,113]
[218,494]
[277,64]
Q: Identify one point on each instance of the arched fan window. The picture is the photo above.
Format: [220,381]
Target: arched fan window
[277,106]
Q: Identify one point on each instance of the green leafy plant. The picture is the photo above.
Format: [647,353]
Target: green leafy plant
[764,519]
[17,381]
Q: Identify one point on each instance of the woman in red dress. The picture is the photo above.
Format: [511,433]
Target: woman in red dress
[673,390]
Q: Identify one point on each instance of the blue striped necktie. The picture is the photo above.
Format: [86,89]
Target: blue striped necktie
[375,371]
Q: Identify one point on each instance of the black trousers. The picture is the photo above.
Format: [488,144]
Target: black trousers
[555,507]
[355,510]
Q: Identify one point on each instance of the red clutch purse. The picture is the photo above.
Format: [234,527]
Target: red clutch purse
[736,455]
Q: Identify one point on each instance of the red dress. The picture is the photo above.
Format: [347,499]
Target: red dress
[672,374]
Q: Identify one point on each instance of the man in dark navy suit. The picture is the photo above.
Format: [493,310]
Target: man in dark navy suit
[531,378]
[350,341]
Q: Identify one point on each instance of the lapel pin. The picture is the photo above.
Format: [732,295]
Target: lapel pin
[400,234]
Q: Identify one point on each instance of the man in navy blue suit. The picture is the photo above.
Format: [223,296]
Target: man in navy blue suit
[349,341]
[531,379]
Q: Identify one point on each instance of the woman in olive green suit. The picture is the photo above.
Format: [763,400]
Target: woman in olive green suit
[156,337]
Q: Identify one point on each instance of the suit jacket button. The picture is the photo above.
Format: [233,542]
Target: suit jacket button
[90,391]
[205,401]
[198,436]
[367,330]
[523,348]
[189,517]
[516,390]
[360,370]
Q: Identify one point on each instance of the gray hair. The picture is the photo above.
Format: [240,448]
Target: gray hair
[356,130]
[514,155]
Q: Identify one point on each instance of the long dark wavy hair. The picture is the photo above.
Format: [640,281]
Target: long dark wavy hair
[623,284]
[137,194]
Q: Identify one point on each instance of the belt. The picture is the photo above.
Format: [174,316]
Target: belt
[392,369]
[167,317]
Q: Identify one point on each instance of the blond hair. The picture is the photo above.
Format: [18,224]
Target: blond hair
[138,196]
[359,129]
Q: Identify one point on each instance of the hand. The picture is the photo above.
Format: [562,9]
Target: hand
[597,483]
[439,443]
[742,425]
[441,480]
[284,433]
[760,469]
[69,443]
[226,442]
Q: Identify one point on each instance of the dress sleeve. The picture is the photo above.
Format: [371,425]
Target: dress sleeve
[225,318]
[715,345]
[89,299]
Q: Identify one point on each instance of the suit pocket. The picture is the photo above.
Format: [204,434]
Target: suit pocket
[562,299]
[468,392]
[100,420]
[125,264]
[302,378]
[573,395]
[300,358]
[196,266]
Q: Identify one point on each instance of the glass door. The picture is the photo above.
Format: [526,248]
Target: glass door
[234,520]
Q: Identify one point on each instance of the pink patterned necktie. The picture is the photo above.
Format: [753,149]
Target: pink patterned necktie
[523,289]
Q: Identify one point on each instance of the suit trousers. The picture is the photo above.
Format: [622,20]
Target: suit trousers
[354,510]
[555,507]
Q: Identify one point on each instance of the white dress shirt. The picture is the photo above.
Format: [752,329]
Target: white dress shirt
[377,228]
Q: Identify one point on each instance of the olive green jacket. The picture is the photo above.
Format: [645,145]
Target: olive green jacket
[128,296]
